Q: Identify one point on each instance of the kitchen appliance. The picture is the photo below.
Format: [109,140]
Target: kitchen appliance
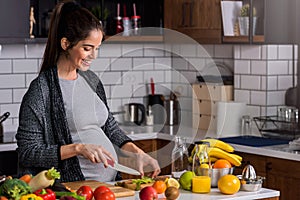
[2,119]
[156,102]
[134,113]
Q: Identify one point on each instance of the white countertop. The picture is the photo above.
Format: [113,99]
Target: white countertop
[216,195]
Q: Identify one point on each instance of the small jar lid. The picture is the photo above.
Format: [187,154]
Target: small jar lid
[136,17]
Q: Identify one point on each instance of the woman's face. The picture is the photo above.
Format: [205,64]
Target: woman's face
[82,54]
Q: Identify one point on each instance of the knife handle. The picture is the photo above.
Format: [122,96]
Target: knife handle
[110,162]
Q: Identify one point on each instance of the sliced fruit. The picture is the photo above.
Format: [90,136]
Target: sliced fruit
[172,182]
[204,166]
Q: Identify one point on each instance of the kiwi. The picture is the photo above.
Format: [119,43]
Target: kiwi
[172,193]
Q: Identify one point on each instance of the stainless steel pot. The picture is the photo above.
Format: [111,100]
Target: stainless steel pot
[134,113]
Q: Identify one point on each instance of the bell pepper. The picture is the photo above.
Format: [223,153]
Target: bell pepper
[46,194]
[30,197]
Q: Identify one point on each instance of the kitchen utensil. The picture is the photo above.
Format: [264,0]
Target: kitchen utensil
[2,119]
[216,174]
[251,185]
[122,168]
[248,173]
[172,109]
[4,116]
[117,190]
[134,113]
[152,86]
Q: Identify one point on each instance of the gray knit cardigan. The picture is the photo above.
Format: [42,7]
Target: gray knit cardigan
[43,127]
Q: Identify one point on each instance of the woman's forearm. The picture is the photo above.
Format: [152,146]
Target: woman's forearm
[70,150]
[130,147]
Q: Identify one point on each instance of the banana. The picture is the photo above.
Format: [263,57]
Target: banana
[220,144]
[237,156]
[219,153]
[213,159]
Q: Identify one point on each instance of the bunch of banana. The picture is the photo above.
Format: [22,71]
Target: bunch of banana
[219,149]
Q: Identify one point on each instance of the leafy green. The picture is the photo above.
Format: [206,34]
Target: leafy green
[14,188]
[53,174]
[143,180]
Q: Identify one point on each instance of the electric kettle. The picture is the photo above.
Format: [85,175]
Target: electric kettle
[134,113]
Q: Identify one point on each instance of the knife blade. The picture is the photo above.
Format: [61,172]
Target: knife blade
[122,168]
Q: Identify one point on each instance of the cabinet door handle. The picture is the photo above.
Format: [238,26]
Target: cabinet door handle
[184,6]
[192,4]
[269,166]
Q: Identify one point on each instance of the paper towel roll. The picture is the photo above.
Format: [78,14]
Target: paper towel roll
[229,116]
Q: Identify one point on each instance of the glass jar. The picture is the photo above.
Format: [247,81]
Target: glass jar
[201,159]
[179,158]
[201,183]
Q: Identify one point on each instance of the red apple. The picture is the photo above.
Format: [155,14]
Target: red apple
[148,193]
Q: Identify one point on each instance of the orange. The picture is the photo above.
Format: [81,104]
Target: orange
[229,184]
[222,163]
[159,186]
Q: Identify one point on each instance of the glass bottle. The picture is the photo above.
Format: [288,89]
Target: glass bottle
[179,158]
[201,161]
[201,183]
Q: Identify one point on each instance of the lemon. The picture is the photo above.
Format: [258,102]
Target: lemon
[173,182]
[185,180]
[204,166]
[229,184]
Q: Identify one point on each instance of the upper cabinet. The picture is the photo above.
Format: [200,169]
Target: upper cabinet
[14,19]
[199,19]
[202,20]
[282,18]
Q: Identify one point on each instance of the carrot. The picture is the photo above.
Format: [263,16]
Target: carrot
[26,178]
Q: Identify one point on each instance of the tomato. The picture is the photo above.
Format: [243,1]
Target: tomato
[104,193]
[109,195]
[86,191]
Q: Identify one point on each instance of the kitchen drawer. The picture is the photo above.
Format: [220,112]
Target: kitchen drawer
[204,107]
[204,122]
[213,92]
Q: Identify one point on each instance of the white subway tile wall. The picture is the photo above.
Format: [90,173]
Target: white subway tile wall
[262,73]
[272,72]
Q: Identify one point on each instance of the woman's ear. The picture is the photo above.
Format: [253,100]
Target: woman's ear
[64,43]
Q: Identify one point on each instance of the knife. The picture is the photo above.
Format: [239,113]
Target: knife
[122,168]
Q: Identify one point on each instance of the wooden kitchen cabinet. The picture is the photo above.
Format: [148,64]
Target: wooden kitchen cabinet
[205,98]
[158,149]
[281,174]
[201,20]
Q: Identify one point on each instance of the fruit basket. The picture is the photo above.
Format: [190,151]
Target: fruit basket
[277,127]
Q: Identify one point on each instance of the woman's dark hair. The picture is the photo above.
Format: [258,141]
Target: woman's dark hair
[71,21]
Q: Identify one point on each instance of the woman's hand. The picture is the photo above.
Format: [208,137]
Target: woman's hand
[95,153]
[142,158]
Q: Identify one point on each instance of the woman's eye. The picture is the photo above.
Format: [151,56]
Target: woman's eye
[87,49]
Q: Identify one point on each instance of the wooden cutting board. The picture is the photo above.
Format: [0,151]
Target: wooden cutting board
[119,191]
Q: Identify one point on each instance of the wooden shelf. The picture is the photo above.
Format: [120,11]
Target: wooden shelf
[243,39]
[135,38]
